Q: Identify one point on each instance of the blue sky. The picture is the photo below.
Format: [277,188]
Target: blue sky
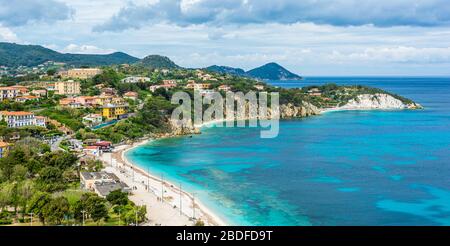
[309,37]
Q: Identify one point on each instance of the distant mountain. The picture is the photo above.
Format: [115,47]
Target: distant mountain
[13,55]
[273,71]
[270,71]
[157,61]
[227,70]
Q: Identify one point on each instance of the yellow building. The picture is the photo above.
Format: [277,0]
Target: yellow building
[67,87]
[114,111]
[81,73]
[4,148]
[103,100]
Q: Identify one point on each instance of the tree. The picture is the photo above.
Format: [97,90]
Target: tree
[199,223]
[25,191]
[59,159]
[51,72]
[92,205]
[117,197]
[108,76]
[131,213]
[55,210]
[81,205]
[50,179]
[97,208]
[37,204]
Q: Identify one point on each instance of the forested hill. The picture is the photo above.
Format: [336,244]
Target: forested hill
[270,71]
[13,55]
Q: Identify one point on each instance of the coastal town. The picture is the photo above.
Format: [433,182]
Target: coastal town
[65,131]
[76,111]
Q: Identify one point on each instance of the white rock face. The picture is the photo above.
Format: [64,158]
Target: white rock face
[377,101]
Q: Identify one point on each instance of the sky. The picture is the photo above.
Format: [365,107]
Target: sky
[309,37]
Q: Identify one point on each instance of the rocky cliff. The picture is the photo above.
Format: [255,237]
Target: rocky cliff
[377,101]
[361,102]
[292,111]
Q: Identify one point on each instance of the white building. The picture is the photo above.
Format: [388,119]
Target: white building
[92,119]
[40,121]
[21,119]
[135,79]
[8,93]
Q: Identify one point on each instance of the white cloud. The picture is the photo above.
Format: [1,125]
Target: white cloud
[384,13]
[400,54]
[82,49]
[22,12]
[8,35]
[305,48]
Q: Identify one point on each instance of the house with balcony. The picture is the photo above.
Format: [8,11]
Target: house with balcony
[114,111]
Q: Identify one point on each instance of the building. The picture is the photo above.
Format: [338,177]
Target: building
[18,119]
[88,179]
[198,86]
[315,92]
[170,82]
[259,87]
[104,188]
[51,87]
[114,111]
[224,88]
[131,95]
[153,88]
[69,87]
[4,149]
[41,121]
[102,183]
[92,151]
[70,103]
[40,93]
[135,79]
[103,99]
[105,146]
[26,98]
[8,93]
[86,101]
[23,90]
[92,119]
[80,73]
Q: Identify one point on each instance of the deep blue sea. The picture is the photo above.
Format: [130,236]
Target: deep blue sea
[341,168]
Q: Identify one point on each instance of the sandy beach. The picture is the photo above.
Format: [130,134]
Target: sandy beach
[148,190]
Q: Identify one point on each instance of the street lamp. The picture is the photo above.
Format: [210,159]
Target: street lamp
[31,220]
[136,217]
[119,217]
[193,206]
[83,212]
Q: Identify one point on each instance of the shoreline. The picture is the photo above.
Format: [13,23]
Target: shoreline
[202,212]
[171,192]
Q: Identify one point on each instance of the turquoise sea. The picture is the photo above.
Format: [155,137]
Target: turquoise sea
[341,168]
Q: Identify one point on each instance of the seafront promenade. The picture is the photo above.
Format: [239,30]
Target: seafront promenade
[148,189]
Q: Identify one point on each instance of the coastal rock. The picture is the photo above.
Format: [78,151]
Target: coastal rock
[291,111]
[377,101]
[183,130]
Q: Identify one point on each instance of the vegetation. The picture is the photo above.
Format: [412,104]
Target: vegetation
[228,70]
[273,71]
[35,181]
[13,55]
[72,118]
[157,62]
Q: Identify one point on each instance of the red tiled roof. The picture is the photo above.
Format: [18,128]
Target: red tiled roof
[18,113]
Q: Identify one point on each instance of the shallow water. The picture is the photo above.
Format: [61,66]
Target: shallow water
[341,168]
